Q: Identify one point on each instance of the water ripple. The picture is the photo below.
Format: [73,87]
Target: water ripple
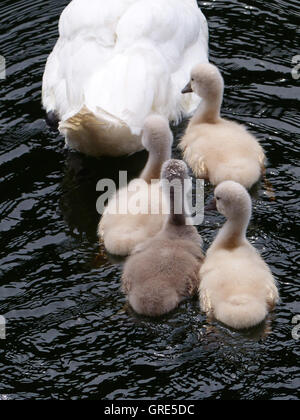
[69,331]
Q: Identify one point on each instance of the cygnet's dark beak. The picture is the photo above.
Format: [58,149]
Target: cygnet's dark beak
[188,88]
[211,206]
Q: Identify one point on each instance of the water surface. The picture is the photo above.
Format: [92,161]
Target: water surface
[68,332]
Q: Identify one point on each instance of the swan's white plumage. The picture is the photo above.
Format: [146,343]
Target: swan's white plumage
[116,62]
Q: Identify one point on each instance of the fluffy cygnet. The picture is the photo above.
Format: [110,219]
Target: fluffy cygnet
[122,232]
[217,149]
[237,286]
[164,270]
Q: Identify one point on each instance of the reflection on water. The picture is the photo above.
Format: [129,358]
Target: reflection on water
[79,195]
[69,334]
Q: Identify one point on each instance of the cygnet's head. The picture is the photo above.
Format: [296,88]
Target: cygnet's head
[206,81]
[174,169]
[233,200]
[173,176]
[157,136]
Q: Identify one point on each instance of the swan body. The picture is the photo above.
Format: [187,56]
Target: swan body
[118,61]
[121,231]
[237,286]
[215,148]
[164,270]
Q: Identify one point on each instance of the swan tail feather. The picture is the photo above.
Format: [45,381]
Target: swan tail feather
[241,312]
[242,172]
[153,302]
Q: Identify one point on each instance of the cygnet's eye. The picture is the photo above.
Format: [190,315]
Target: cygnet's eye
[218,198]
[193,79]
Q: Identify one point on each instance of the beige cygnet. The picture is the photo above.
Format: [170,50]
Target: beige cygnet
[215,148]
[122,230]
[237,286]
[164,270]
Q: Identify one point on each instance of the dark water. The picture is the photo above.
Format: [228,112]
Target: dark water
[68,334]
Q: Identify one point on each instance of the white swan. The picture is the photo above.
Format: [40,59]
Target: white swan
[237,286]
[118,61]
